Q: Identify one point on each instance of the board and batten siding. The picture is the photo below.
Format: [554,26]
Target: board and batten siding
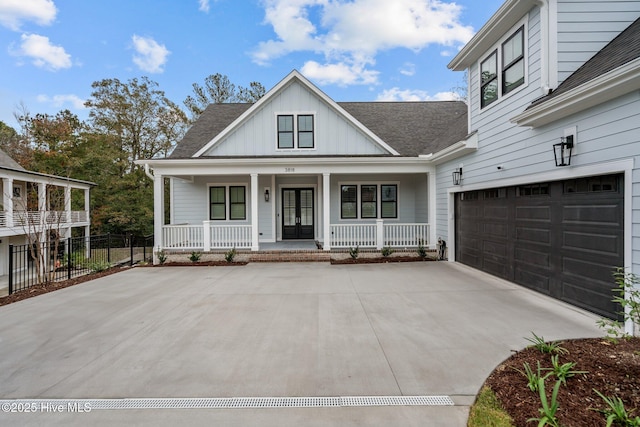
[586,26]
[333,135]
[606,133]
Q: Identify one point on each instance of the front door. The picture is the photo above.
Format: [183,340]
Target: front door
[297,213]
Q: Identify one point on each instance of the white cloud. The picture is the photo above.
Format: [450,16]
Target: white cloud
[60,100]
[14,12]
[340,74]
[396,94]
[408,69]
[43,53]
[151,56]
[350,34]
[204,5]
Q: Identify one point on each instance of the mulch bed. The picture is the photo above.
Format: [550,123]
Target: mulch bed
[201,264]
[613,369]
[379,260]
[54,286]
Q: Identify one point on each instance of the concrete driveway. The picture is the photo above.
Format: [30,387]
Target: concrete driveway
[271,330]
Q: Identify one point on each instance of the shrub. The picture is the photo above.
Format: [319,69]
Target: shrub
[422,252]
[353,252]
[627,294]
[98,266]
[162,256]
[195,256]
[386,251]
[230,255]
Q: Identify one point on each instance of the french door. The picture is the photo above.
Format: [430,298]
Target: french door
[297,213]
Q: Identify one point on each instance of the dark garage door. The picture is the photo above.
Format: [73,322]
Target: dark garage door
[560,238]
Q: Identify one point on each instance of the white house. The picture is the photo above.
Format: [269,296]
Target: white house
[32,202]
[541,74]
[297,165]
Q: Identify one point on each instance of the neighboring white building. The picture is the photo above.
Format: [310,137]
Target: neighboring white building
[540,73]
[22,214]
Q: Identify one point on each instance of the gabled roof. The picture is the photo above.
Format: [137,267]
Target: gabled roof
[7,162]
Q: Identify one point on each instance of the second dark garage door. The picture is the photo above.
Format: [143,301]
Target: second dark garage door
[560,238]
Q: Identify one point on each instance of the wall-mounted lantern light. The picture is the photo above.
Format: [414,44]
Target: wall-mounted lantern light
[266,194]
[457,176]
[562,151]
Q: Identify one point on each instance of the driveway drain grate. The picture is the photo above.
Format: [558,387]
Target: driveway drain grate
[77,405]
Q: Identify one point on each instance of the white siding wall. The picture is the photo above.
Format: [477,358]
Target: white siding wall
[333,135]
[586,26]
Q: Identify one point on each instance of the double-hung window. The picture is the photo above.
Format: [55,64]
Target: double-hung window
[513,62]
[368,201]
[349,201]
[489,79]
[296,131]
[227,202]
[389,201]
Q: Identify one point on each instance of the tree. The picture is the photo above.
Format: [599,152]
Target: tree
[12,143]
[218,89]
[143,122]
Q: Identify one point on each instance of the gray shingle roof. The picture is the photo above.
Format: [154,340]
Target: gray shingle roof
[7,162]
[621,50]
[411,128]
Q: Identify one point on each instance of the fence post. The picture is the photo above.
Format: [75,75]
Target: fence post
[379,234]
[10,269]
[131,249]
[69,255]
[109,248]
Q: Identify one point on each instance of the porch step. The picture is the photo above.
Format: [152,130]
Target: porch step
[287,256]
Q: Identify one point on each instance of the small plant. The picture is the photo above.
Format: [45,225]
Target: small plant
[532,377]
[230,255]
[546,347]
[162,256]
[353,252]
[195,256]
[564,371]
[98,266]
[549,408]
[386,251]
[627,294]
[616,412]
[422,252]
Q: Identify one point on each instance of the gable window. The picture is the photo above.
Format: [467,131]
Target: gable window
[227,202]
[513,62]
[389,201]
[489,79]
[305,131]
[349,201]
[369,204]
[285,131]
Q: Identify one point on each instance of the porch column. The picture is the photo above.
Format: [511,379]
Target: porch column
[254,212]
[158,214]
[326,210]
[431,185]
[67,207]
[7,201]
[43,209]
[87,207]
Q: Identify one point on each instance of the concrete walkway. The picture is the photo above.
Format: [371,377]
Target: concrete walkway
[269,330]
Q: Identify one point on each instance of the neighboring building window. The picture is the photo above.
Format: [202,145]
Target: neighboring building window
[349,201]
[389,201]
[237,203]
[513,62]
[489,79]
[305,131]
[285,132]
[217,198]
[369,201]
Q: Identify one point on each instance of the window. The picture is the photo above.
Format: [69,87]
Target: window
[349,201]
[217,199]
[533,190]
[389,201]
[513,62]
[295,131]
[305,131]
[596,184]
[232,196]
[369,203]
[285,131]
[489,79]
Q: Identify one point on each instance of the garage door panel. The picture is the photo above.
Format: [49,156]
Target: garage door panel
[496,229]
[534,258]
[533,235]
[592,243]
[496,212]
[589,271]
[495,266]
[584,215]
[494,249]
[533,213]
[593,300]
[531,279]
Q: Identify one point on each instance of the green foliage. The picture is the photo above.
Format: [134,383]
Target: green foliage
[386,251]
[162,256]
[230,255]
[616,412]
[533,378]
[486,411]
[546,347]
[422,252]
[98,266]
[563,371]
[627,294]
[354,252]
[195,256]
[549,408]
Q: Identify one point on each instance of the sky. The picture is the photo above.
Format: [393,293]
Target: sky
[51,51]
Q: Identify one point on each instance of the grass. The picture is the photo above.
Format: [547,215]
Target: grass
[487,412]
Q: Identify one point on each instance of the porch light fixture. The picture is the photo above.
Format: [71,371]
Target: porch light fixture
[266,194]
[562,151]
[457,176]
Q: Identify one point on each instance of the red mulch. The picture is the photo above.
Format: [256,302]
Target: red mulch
[379,260]
[613,369]
[201,264]
[50,287]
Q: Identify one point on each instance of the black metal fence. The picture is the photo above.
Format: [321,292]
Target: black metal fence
[35,264]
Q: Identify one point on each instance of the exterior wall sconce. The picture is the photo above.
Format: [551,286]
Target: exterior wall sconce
[562,151]
[266,194]
[457,176]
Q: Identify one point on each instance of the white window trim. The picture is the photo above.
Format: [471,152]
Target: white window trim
[227,205]
[524,23]
[295,130]
[359,185]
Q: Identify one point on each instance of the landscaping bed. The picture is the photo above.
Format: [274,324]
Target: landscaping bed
[379,260]
[201,264]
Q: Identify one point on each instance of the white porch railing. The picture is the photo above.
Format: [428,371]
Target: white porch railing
[379,235]
[34,218]
[183,236]
[206,236]
[230,236]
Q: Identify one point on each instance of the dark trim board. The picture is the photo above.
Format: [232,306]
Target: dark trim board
[563,238]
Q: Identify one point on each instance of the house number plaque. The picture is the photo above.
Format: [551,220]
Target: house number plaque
[288,170]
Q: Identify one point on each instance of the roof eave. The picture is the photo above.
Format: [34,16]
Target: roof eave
[496,27]
[459,149]
[606,87]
